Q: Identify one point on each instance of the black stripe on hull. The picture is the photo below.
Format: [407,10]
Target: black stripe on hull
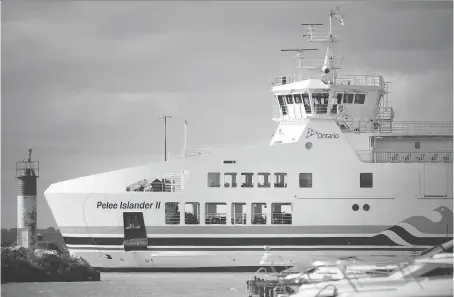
[378,240]
[259,249]
[413,240]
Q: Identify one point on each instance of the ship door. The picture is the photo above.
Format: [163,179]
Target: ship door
[135,234]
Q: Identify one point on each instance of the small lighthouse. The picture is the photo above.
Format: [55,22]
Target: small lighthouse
[27,173]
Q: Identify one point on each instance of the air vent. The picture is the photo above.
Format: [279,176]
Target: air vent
[229,162]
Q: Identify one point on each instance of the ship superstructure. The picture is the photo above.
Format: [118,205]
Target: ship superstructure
[340,175]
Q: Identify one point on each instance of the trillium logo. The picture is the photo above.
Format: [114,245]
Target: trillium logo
[311,132]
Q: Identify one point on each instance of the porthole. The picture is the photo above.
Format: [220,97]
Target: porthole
[355,207]
[308,145]
[366,207]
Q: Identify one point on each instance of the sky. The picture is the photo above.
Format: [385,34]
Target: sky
[84,82]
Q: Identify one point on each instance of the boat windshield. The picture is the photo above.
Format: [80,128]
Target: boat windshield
[432,249]
[405,270]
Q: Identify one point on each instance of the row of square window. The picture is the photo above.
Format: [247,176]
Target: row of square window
[321,98]
[263,180]
[216,214]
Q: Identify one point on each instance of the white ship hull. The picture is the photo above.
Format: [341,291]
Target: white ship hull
[400,219]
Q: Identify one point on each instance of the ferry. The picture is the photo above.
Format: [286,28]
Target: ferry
[339,177]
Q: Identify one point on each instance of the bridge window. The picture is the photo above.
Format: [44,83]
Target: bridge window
[307,103]
[172,213]
[366,180]
[192,213]
[320,102]
[359,98]
[284,110]
[230,180]
[348,98]
[320,98]
[263,180]
[339,97]
[280,180]
[246,179]
[238,214]
[305,180]
[215,213]
[297,98]
[214,179]
[281,213]
[280,99]
[289,99]
[417,145]
[258,216]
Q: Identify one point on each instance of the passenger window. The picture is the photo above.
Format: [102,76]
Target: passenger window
[280,180]
[192,213]
[214,179]
[281,213]
[305,180]
[263,180]
[215,213]
[238,214]
[172,213]
[246,179]
[230,180]
[258,216]
[366,180]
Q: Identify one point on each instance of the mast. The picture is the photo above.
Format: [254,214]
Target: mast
[330,63]
[185,137]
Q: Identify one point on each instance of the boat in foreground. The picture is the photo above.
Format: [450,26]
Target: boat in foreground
[340,177]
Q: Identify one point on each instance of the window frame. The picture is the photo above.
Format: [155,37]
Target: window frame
[363,180]
[306,180]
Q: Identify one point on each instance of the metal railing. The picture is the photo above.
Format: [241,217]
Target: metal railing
[180,154]
[173,218]
[385,114]
[258,219]
[212,218]
[191,218]
[238,219]
[406,157]
[172,183]
[400,127]
[359,80]
[281,218]
[341,79]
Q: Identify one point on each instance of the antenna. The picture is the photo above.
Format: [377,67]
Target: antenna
[300,56]
[185,136]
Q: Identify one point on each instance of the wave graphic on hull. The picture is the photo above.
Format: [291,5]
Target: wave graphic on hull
[421,231]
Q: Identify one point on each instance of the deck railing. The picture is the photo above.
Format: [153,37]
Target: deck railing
[401,127]
[359,80]
[341,79]
[181,154]
[212,218]
[239,219]
[406,157]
